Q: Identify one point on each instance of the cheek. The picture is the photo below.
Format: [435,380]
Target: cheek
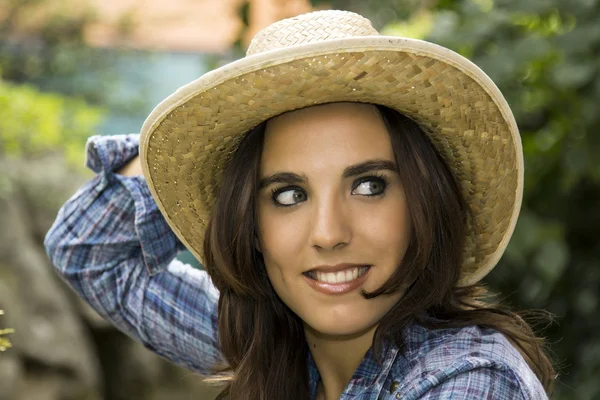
[387,228]
[280,236]
[281,244]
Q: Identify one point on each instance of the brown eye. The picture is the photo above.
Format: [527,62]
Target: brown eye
[289,196]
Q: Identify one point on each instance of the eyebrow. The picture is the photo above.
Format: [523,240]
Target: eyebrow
[369,166]
[350,171]
[282,177]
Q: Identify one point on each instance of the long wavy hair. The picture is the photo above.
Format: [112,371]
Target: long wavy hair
[263,341]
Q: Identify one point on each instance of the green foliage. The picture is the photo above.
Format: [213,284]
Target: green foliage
[417,26]
[32,122]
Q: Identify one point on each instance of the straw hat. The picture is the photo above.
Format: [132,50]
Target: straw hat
[333,56]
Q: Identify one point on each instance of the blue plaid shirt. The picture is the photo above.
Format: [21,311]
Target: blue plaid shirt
[113,247]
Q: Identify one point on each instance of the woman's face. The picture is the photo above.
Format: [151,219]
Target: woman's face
[332,215]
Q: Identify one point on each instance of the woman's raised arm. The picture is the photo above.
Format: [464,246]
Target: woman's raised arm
[112,246]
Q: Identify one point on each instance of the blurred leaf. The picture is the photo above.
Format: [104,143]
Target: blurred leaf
[416,27]
[551,260]
[587,301]
[4,342]
[573,73]
[32,122]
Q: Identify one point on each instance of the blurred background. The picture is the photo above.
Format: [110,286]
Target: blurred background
[73,68]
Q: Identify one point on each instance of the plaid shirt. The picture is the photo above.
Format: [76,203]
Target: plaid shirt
[113,247]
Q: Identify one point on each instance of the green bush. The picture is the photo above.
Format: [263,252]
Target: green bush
[33,123]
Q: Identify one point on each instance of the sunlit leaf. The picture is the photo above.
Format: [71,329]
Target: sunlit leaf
[418,27]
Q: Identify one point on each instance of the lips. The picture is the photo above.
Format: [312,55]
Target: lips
[339,279]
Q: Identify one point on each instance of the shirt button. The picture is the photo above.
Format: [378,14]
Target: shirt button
[393,387]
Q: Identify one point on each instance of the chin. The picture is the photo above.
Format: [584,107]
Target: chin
[343,327]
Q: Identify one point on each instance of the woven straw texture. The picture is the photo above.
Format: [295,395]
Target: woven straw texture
[309,60]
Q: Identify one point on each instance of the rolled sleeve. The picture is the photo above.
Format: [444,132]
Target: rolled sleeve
[108,153]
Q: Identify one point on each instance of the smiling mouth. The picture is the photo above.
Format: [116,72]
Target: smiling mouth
[345,276]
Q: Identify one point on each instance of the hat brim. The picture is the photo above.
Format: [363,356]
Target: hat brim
[187,139]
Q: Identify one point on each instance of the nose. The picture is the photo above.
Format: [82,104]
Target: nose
[331,227]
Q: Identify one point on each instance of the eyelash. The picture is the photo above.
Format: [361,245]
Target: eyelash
[376,177]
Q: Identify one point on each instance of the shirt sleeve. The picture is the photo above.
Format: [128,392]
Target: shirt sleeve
[113,247]
[471,379]
[477,384]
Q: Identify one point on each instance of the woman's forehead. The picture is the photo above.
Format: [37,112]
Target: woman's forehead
[336,134]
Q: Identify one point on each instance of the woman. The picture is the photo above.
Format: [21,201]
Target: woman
[345,192]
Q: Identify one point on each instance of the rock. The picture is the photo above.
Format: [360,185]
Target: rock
[44,184]
[50,339]
[10,375]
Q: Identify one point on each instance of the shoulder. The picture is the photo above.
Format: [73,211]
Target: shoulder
[469,362]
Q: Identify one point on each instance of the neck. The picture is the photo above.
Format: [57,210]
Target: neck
[337,357]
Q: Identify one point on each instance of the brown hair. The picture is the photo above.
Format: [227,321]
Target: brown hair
[263,341]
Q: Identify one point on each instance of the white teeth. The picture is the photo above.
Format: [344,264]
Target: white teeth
[348,275]
[338,277]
